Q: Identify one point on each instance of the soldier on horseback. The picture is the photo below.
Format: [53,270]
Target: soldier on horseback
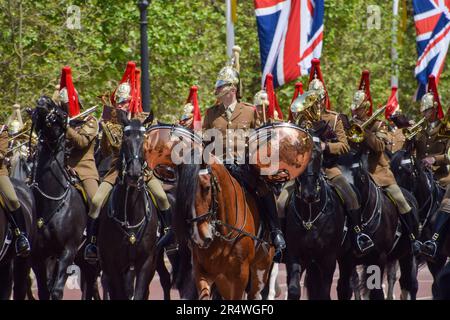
[334,143]
[432,146]
[375,137]
[10,199]
[228,114]
[80,135]
[124,102]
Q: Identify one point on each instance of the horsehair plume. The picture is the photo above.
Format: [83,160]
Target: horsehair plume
[236,55]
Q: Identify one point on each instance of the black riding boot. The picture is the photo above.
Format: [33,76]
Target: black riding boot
[363,241]
[91,252]
[276,235]
[166,240]
[407,220]
[22,244]
[430,246]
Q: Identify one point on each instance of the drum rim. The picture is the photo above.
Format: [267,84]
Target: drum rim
[184,131]
[254,134]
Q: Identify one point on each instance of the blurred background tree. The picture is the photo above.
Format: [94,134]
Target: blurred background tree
[187,47]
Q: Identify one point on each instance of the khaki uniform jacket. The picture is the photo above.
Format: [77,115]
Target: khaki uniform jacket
[82,144]
[379,169]
[335,148]
[244,117]
[396,140]
[3,150]
[108,149]
[427,144]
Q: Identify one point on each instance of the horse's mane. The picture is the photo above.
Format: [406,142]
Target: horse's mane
[187,181]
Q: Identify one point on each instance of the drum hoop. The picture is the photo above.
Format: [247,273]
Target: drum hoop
[179,129]
[257,133]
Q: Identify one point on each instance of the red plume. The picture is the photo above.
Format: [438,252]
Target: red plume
[392,104]
[364,84]
[66,82]
[316,72]
[130,77]
[137,107]
[432,87]
[298,91]
[273,102]
[197,116]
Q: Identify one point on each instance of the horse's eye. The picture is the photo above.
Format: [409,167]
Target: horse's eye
[207,189]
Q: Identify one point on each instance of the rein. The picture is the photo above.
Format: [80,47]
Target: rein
[42,221]
[309,223]
[211,215]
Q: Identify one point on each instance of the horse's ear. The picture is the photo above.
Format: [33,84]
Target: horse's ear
[122,118]
[149,119]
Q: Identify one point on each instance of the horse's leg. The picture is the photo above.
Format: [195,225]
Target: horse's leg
[408,278]
[6,279]
[21,273]
[328,268]
[435,268]
[294,272]
[391,274]
[232,286]
[143,278]
[259,271]
[115,283]
[40,270]
[273,281]
[346,271]
[88,280]
[65,260]
[202,282]
[164,275]
[376,293]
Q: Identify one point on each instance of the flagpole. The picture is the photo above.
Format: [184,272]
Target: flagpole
[394,53]
[230,29]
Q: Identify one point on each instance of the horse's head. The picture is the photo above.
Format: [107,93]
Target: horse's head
[309,181]
[132,153]
[404,168]
[49,119]
[196,204]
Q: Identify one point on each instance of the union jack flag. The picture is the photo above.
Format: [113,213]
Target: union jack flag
[290,36]
[432,18]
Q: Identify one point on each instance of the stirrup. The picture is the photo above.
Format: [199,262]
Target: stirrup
[364,242]
[22,245]
[91,253]
[429,248]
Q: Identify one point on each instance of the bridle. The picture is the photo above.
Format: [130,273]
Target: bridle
[126,161]
[211,216]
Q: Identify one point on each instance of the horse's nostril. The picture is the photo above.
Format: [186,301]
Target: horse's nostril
[208,241]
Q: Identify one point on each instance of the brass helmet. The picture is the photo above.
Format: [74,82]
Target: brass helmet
[317,85]
[427,102]
[63,97]
[261,98]
[123,93]
[229,75]
[14,127]
[307,106]
[360,100]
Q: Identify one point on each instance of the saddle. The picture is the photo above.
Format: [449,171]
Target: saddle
[76,182]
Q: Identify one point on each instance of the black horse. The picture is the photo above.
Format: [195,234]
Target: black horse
[315,221]
[16,269]
[62,211]
[419,179]
[128,223]
[380,220]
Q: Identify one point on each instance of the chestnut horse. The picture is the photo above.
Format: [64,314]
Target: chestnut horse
[221,222]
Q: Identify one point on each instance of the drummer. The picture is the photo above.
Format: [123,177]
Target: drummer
[230,113]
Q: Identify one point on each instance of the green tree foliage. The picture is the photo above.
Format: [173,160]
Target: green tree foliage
[187,47]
